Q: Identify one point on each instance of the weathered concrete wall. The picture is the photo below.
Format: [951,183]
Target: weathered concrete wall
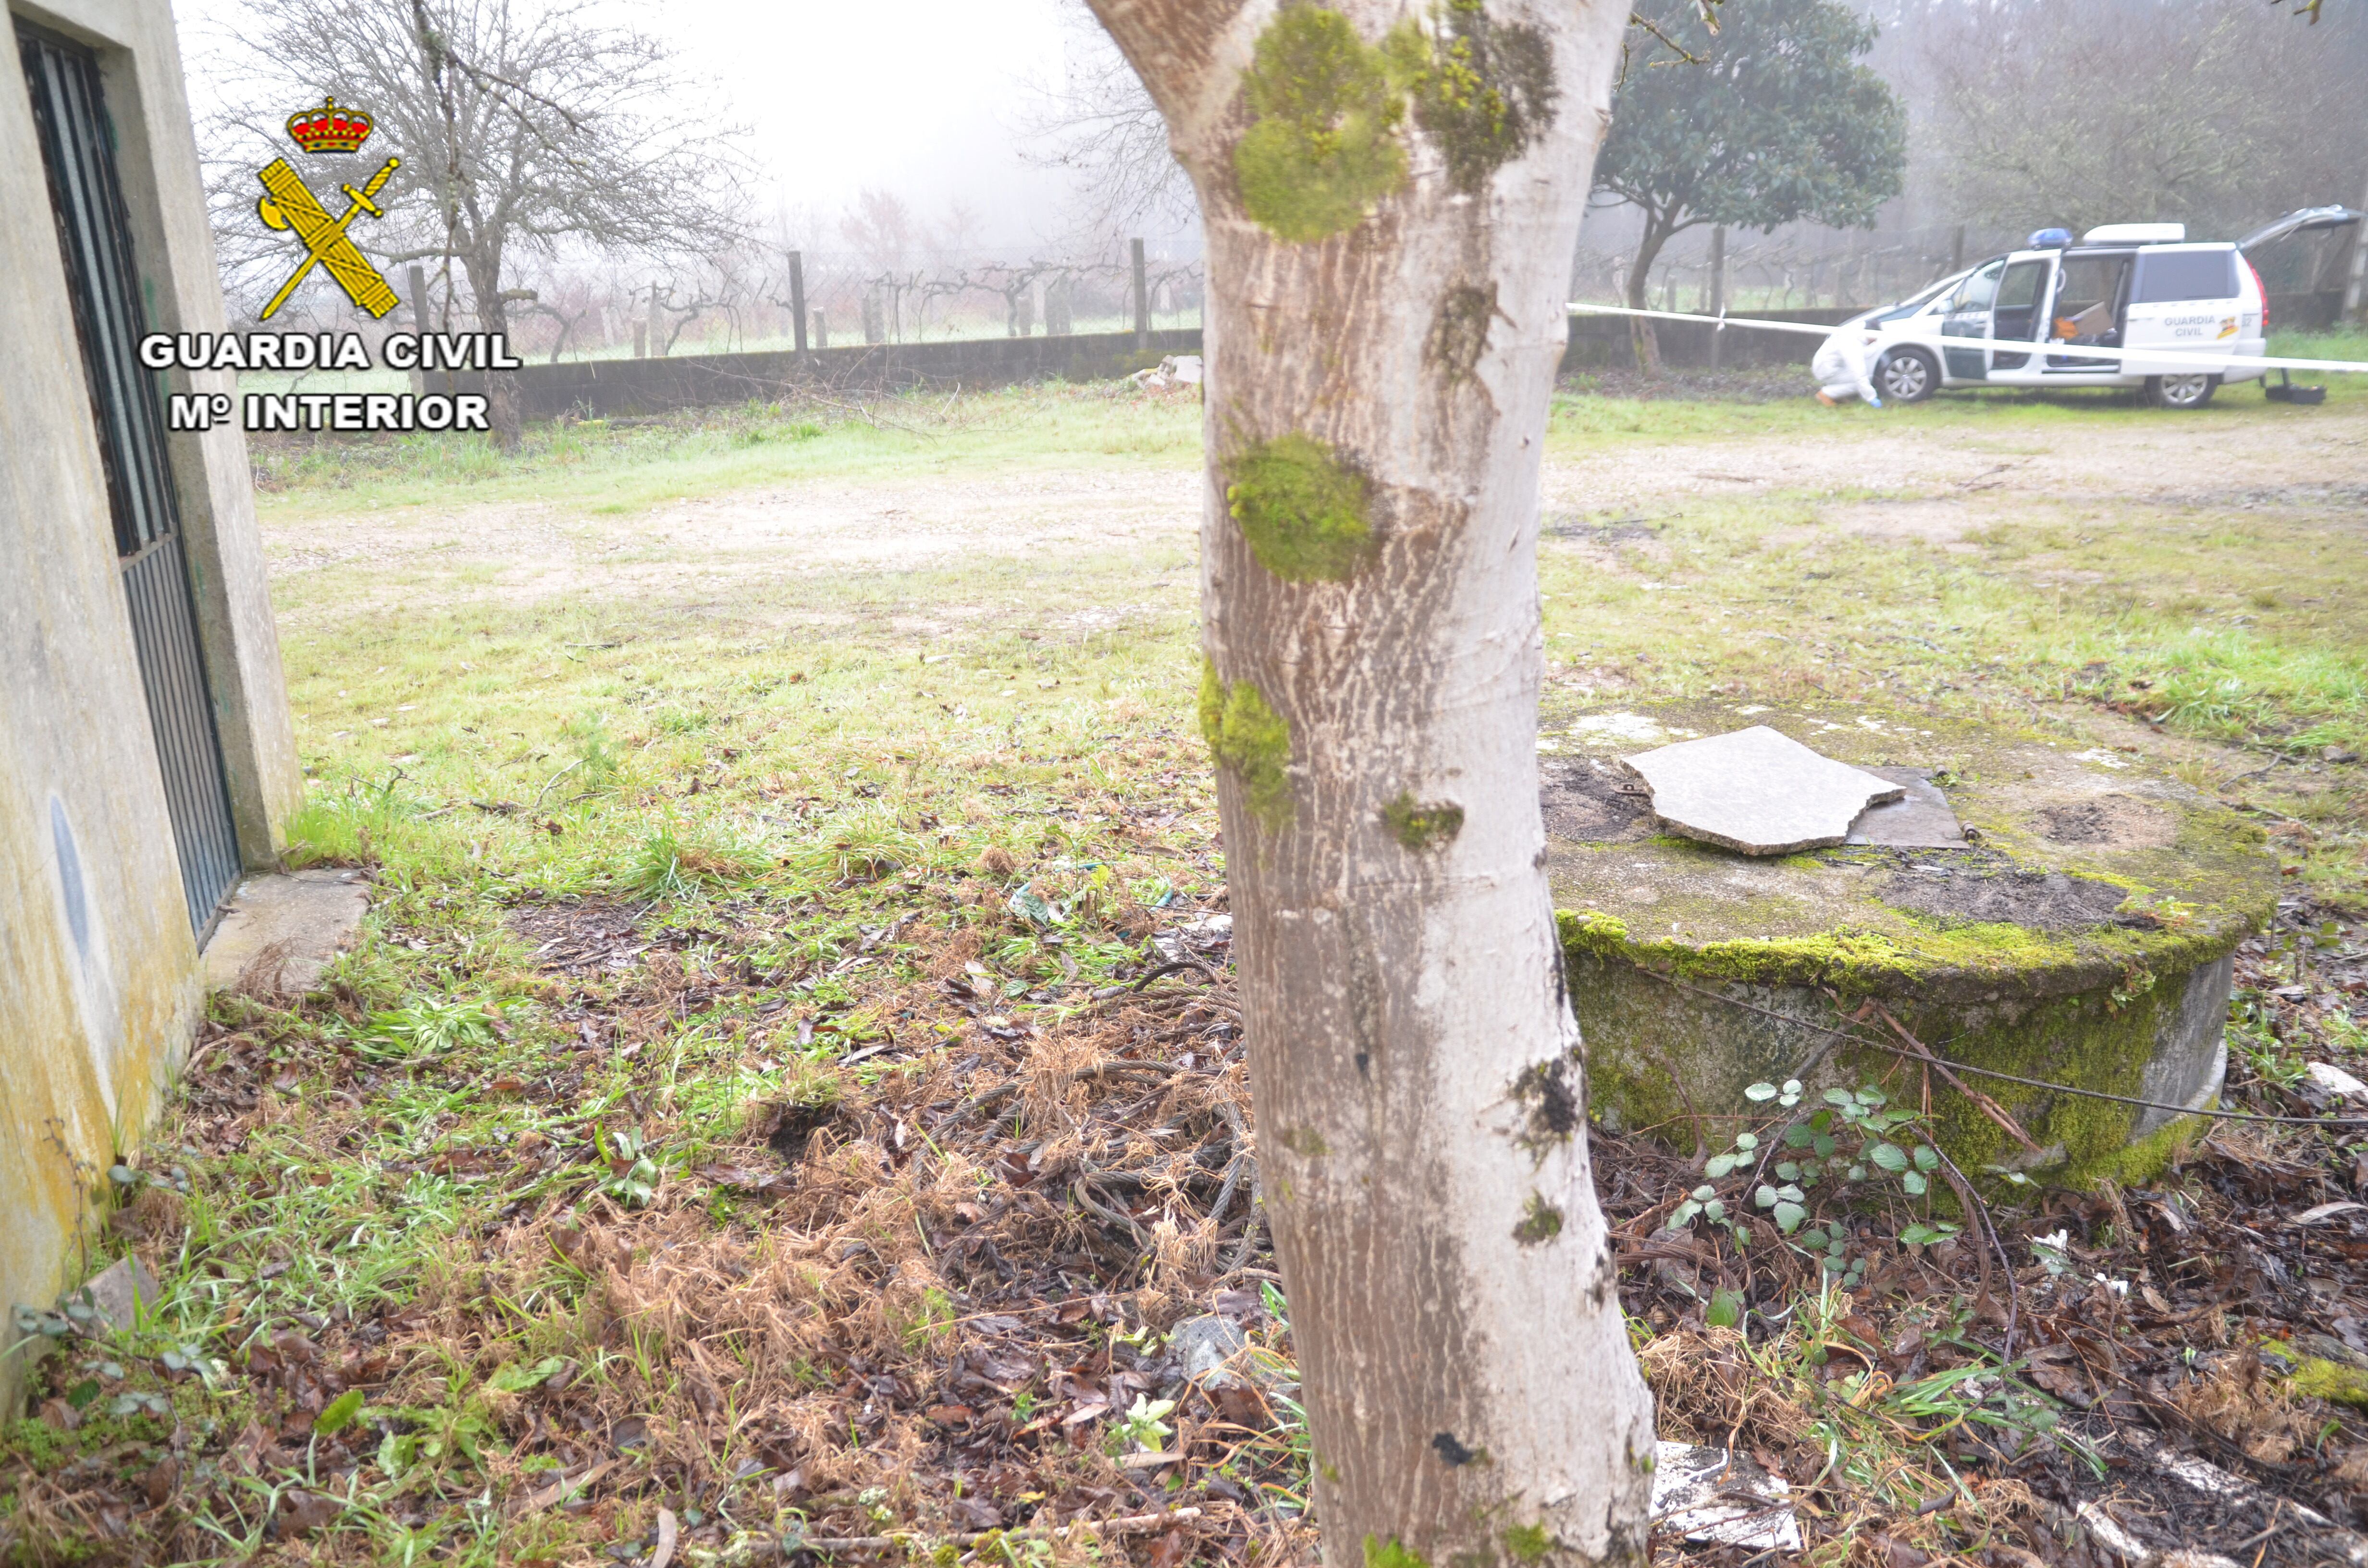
[98,968]
[1607,342]
[604,387]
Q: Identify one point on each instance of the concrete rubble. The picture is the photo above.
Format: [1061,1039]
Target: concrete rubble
[1713,1497]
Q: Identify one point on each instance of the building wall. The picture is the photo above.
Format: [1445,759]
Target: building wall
[100,992]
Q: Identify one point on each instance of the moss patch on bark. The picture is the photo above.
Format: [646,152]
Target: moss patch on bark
[1483,89]
[1324,145]
[1421,825]
[1246,734]
[1540,1222]
[1528,1544]
[1307,516]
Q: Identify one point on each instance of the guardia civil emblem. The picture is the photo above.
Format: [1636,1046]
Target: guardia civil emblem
[288,203]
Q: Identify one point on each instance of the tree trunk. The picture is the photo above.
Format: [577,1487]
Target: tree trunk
[1385,312]
[502,410]
[1640,282]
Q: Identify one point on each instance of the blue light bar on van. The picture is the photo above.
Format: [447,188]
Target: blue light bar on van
[2049,239]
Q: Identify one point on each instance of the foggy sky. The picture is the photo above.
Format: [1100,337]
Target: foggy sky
[923,98]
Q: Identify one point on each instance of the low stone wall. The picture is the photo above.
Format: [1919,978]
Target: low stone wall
[606,388]
[1598,343]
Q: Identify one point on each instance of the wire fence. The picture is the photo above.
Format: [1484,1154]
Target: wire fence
[1797,269]
[748,301]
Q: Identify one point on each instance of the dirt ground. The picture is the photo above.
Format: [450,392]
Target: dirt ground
[1905,474]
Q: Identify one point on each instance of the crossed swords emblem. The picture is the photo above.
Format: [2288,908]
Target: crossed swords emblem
[289,203]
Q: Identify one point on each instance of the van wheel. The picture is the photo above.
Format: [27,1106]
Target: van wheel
[1907,375]
[2192,390]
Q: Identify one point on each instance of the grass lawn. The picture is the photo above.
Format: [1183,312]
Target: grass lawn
[788,1087]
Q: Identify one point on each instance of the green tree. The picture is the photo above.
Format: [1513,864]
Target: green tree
[1768,120]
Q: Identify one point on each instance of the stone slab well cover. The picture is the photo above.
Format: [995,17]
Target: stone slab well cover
[1757,792]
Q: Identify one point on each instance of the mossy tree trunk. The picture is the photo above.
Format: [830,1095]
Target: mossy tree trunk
[1391,198]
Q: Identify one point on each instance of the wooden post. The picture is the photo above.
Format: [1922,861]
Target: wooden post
[1717,289]
[2352,287]
[658,340]
[1957,251]
[1141,300]
[798,299]
[821,329]
[417,279]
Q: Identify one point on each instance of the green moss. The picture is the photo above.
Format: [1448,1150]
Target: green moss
[1540,1222]
[1640,1030]
[1306,1143]
[1483,89]
[1917,954]
[1322,147]
[41,1445]
[1305,514]
[1426,826]
[1392,1554]
[2330,1381]
[1245,733]
[1528,1544]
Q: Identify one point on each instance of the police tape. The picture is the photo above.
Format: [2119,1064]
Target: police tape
[2055,349]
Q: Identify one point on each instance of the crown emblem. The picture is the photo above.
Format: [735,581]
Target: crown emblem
[329,129]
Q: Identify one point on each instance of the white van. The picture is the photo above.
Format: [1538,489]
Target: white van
[2121,286]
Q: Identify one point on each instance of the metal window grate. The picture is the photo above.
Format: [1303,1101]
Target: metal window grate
[95,238]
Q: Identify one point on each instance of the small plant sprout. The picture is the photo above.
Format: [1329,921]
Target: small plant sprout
[2053,1251]
[1786,1096]
[632,1173]
[1143,1426]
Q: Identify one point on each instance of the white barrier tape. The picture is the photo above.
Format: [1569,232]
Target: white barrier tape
[2053,346]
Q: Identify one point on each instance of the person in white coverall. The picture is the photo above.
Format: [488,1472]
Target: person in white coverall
[1842,367]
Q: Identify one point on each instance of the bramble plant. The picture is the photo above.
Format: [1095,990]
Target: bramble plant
[1849,1141]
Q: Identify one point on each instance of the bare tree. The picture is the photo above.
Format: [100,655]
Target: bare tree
[1391,199]
[1097,123]
[521,125]
[2142,109]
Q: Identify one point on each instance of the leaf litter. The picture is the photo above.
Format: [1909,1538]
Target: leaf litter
[858,1225]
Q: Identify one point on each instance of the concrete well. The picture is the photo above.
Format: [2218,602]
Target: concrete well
[2080,934]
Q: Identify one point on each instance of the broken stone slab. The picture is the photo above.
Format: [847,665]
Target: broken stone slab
[1757,792]
[1712,1497]
[279,932]
[1919,819]
[2335,1081]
